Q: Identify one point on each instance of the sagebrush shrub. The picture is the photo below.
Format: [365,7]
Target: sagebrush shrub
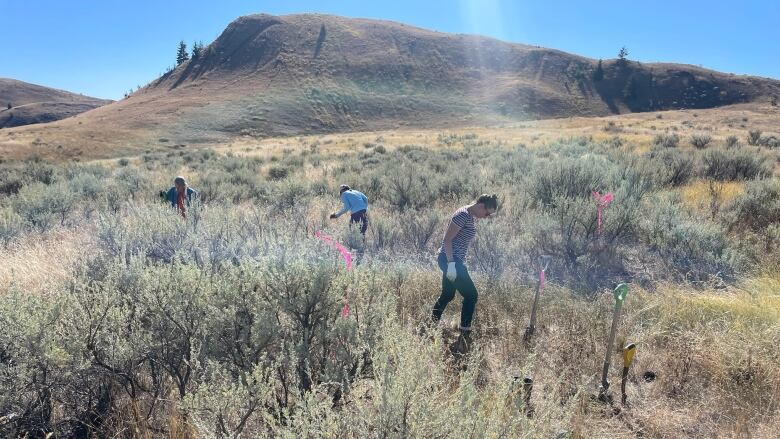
[277,172]
[666,140]
[732,141]
[753,137]
[700,141]
[669,167]
[11,225]
[735,164]
[770,141]
[406,186]
[755,209]
[685,243]
[42,206]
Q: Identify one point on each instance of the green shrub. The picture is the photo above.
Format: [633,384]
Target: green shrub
[569,178]
[689,246]
[407,186]
[290,194]
[37,170]
[420,229]
[75,170]
[41,205]
[755,209]
[277,172]
[11,180]
[86,186]
[132,182]
[735,164]
[14,176]
[669,167]
[228,322]
[565,225]
[769,141]
[732,141]
[700,141]
[11,225]
[666,140]
[753,137]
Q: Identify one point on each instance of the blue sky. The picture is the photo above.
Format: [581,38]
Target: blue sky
[104,48]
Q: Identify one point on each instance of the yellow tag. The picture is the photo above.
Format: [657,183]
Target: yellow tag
[628,354]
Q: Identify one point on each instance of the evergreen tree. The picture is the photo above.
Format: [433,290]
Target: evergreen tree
[598,74]
[622,56]
[181,54]
[197,49]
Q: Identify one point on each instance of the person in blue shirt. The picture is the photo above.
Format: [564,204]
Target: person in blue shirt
[180,195]
[356,203]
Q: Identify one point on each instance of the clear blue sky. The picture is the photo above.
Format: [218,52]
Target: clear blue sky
[103,48]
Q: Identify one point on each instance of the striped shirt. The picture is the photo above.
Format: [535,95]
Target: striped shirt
[460,243]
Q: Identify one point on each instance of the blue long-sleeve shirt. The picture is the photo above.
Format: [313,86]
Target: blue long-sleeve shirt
[354,201]
[171,195]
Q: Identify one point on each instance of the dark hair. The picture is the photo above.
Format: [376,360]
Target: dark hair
[343,188]
[489,201]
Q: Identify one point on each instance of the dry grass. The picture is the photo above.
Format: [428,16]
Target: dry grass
[636,129]
[713,353]
[701,194]
[39,263]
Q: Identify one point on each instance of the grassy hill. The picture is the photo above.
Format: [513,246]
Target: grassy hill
[268,76]
[22,103]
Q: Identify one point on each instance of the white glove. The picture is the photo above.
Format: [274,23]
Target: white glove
[452,274]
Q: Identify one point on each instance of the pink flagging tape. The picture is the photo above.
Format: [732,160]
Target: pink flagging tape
[335,244]
[602,201]
[541,280]
[347,260]
[345,309]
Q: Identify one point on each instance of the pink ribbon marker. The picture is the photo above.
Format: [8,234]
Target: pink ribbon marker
[602,201]
[347,260]
[335,244]
[541,281]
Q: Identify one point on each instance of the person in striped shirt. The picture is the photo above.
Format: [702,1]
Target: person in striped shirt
[451,259]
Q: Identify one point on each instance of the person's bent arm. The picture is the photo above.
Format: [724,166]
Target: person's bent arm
[344,209]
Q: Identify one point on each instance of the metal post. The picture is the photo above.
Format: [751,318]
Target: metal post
[543,262]
[620,295]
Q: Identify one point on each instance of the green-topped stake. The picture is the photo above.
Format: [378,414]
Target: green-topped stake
[620,293]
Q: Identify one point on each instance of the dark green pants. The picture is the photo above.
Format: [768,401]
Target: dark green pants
[463,285]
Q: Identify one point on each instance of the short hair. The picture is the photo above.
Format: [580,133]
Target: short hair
[343,188]
[179,180]
[489,201]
